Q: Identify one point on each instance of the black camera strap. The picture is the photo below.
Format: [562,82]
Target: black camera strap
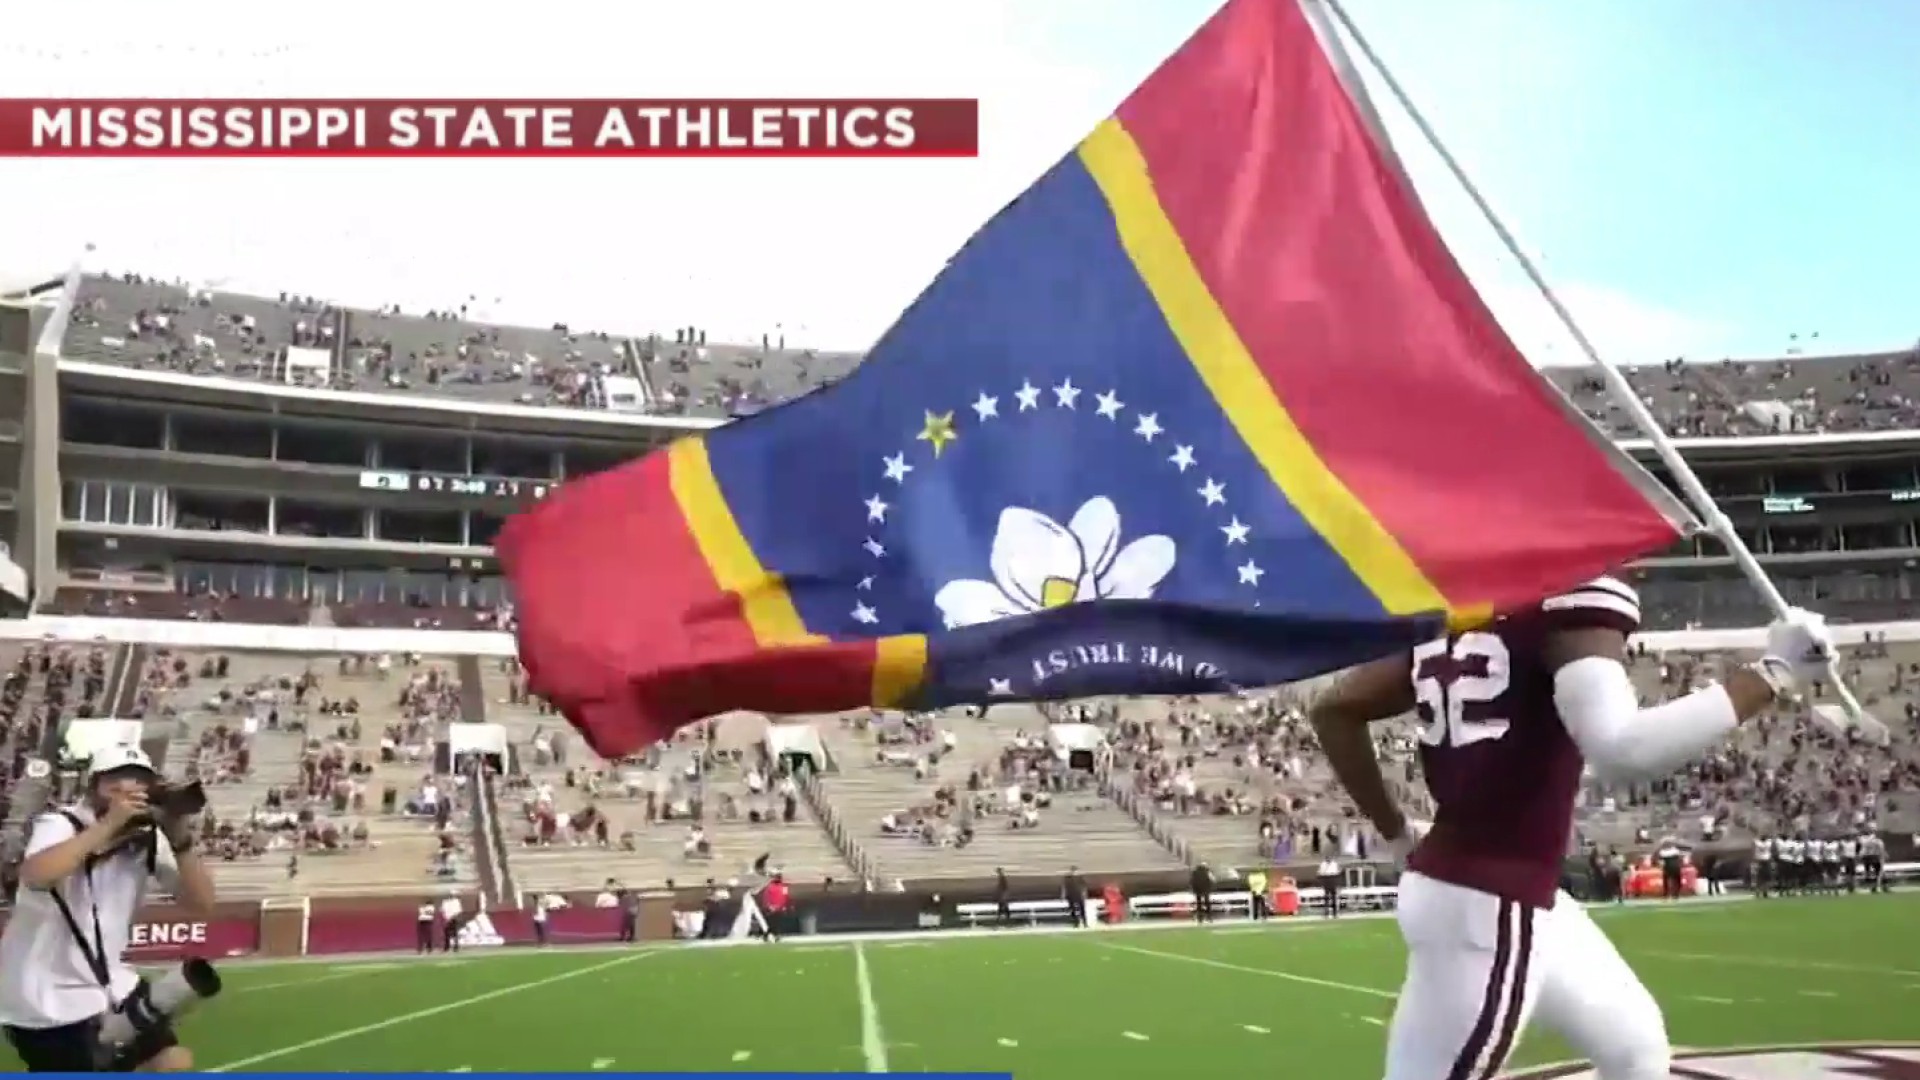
[96,956]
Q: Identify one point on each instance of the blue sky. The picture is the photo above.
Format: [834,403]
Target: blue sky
[1730,172]
[1701,177]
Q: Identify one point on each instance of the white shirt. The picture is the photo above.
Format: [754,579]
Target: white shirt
[1329,868]
[44,978]
[450,907]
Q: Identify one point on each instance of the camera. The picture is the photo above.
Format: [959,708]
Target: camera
[168,998]
[176,801]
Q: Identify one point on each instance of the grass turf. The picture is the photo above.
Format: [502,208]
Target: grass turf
[1234,1000]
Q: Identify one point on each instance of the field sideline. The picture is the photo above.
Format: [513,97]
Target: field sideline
[1223,1001]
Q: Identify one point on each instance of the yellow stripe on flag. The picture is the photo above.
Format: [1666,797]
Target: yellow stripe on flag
[1236,382]
[764,600]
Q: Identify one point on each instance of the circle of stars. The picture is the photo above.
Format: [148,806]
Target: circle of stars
[938,431]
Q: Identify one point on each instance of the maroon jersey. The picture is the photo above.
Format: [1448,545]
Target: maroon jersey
[1502,769]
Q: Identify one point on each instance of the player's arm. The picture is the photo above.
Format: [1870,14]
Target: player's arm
[1342,718]
[1586,648]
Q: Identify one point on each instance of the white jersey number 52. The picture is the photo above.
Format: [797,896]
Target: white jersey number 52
[1442,702]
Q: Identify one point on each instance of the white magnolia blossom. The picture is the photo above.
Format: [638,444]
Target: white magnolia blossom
[1038,563]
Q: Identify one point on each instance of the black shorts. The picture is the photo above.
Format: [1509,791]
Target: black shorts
[76,1048]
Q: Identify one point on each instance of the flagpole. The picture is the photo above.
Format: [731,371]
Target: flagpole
[54,331]
[1623,393]
[1343,66]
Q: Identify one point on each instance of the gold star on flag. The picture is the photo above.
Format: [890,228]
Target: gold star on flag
[938,431]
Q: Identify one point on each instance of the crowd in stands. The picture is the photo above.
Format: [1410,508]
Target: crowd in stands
[329,756]
[175,326]
[300,758]
[44,685]
[308,759]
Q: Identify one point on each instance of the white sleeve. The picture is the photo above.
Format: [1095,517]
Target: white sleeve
[48,830]
[1620,740]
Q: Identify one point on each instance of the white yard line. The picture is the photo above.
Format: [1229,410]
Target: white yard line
[1780,962]
[872,1043]
[316,980]
[422,1014]
[1268,972]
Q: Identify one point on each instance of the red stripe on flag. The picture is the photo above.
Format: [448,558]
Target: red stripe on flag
[1371,336]
[624,628]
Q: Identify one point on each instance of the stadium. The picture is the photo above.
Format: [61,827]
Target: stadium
[253,534]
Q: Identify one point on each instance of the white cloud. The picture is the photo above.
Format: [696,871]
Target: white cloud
[1623,328]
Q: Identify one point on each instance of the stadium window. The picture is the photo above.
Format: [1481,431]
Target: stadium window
[289,582]
[320,445]
[362,585]
[146,506]
[72,500]
[229,436]
[483,527]
[119,504]
[98,423]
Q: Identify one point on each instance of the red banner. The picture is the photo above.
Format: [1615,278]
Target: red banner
[177,939]
[319,127]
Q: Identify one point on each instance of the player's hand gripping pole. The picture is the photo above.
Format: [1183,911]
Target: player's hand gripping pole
[1850,712]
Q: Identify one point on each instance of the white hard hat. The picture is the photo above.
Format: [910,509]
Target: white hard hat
[116,758]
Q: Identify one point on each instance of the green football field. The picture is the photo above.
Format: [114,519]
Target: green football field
[1239,1000]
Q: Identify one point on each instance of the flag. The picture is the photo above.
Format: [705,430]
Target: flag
[1209,405]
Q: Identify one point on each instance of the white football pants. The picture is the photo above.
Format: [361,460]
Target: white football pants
[1480,968]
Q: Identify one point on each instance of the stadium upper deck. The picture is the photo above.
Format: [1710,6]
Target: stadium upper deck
[166,326]
[282,448]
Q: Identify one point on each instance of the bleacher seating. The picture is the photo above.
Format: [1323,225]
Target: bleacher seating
[299,758]
[649,804]
[940,785]
[1235,780]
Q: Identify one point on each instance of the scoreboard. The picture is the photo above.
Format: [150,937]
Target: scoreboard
[479,487]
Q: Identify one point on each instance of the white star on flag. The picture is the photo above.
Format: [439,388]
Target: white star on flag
[1065,393]
[1214,493]
[866,583]
[1107,405]
[897,467]
[986,408]
[874,547]
[1028,395]
[877,510]
[864,614]
[1148,426]
[1250,573]
[1182,458]
[1236,531]
[1000,687]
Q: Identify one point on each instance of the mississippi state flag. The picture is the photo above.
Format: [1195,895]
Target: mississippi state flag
[1209,405]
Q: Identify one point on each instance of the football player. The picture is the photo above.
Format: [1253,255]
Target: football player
[1509,716]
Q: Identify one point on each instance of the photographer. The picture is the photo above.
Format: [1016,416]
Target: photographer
[68,1002]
